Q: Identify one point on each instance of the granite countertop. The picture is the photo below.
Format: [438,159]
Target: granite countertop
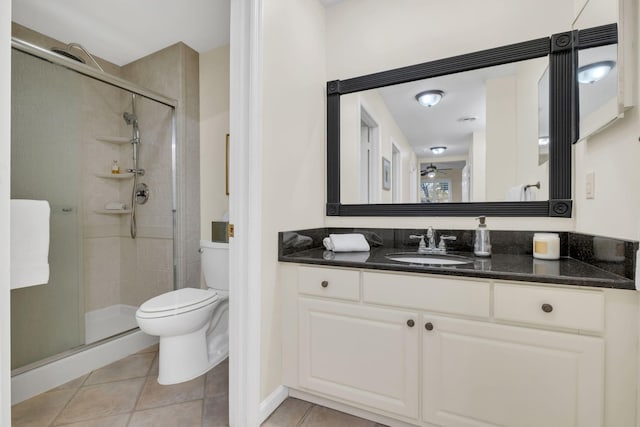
[516,267]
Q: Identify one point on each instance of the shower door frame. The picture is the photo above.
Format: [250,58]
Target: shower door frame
[117,82]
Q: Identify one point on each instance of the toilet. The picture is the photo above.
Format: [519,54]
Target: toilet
[193,324]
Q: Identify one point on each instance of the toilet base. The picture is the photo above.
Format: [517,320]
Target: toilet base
[185,357]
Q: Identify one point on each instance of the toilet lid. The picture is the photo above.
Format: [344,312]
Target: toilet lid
[180,298]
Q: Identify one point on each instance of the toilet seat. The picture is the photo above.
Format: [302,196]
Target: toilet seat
[176,302]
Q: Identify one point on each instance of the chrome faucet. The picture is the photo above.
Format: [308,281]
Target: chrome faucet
[430,248]
[431,235]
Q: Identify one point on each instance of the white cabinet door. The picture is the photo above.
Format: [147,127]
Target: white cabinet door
[482,374]
[363,355]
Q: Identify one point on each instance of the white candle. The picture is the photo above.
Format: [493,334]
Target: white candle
[546,246]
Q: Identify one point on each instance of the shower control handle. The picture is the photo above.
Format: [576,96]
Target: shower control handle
[141,193]
[139,172]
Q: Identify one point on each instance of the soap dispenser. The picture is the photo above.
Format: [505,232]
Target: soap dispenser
[482,241]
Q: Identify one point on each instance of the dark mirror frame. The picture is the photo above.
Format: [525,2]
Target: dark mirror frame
[563,124]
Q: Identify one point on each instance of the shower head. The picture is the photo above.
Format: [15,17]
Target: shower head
[130,118]
[67,54]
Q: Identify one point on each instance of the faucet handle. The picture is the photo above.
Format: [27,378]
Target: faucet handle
[422,244]
[442,244]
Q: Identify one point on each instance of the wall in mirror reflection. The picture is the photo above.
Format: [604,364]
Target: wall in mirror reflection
[488,120]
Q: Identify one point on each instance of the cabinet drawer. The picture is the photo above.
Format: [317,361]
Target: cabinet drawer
[565,308]
[328,282]
[432,293]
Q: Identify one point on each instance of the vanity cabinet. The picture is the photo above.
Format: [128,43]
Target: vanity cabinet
[429,350]
[359,354]
[479,374]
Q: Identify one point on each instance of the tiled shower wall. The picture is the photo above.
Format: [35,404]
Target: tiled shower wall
[174,72]
[101,117]
[146,262]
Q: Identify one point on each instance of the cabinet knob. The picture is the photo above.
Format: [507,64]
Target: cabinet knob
[324,284]
[410,323]
[547,308]
[428,326]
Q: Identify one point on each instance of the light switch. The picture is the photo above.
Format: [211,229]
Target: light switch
[590,185]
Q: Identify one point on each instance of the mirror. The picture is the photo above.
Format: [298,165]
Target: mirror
[543,118]
[473,139]
[494,94]
[601,78]
[598,88]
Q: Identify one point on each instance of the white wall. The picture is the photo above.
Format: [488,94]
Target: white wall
[478,162]
[501,142]
[365,36]
[5,174]
[528,170]
[214,125]
[389,131]
[393,34]
[613,156]
[293,150]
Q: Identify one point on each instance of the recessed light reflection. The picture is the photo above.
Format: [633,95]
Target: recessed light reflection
[591,73]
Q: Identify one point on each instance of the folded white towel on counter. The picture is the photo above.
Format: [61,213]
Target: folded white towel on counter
[346,256]
[29,243]
[353,242]
[115,206]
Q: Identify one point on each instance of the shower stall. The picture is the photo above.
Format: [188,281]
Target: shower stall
[101,150]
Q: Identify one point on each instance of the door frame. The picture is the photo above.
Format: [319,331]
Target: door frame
[245,196]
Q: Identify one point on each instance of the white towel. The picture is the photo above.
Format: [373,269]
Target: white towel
[529,194]
[29,243]
[354,242]
[515,193]
[346,256]
[115,206]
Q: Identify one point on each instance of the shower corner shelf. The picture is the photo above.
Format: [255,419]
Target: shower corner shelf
[114,139]
[115,175]
[112,211]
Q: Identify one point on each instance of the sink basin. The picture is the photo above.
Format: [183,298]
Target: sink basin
[430,259]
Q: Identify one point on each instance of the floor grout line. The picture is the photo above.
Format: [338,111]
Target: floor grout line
[135,405]
[304,416]
[53,422]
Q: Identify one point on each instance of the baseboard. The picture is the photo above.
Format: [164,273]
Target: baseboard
[342,407]
[272,402]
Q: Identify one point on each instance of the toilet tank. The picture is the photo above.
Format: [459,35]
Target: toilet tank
[215,264]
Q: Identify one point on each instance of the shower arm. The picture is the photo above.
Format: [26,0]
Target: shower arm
[86,52]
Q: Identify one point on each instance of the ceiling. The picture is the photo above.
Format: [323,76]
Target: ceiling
[122,31]
[441,125]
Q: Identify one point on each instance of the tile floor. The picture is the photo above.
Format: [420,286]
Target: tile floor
[126,393]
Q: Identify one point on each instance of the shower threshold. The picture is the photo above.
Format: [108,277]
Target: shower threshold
[109,321]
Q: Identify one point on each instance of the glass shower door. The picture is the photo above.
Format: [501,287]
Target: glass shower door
[68,130]
[47,319]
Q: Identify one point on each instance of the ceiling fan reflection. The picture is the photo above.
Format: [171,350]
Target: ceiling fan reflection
[431,170]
